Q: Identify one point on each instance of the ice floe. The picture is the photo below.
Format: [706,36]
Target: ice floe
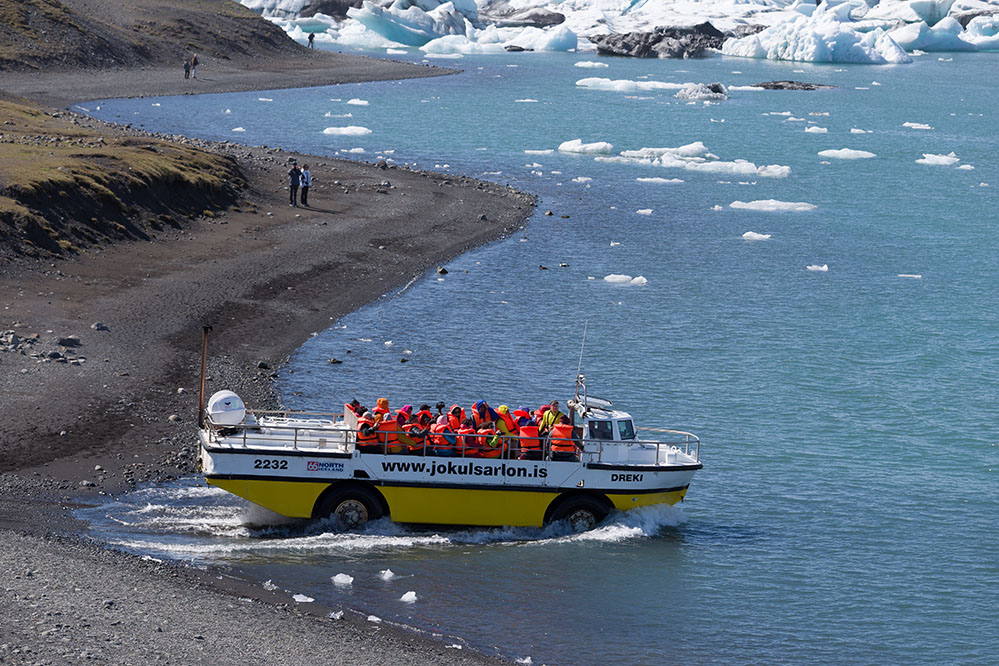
[238,129]
[268,585]
[581,179]
[820,269]
[264,99]
[303,599]
[918,126]
[815,129]
[696,157]
[589,64]
[357,102]
[854,130]
[342,580]
[753,236]
[847,154]
[350,130]
[939,160]
[374,618]
[659,180]
[386,574]
[773,206]
[914,276]
[577,146]
[644,211]
[702,92]
[627,85]
[526,101]
[618,278]
[408,598]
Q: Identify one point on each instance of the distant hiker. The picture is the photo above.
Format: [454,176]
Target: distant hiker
[194,65]
[312,39]
[294,180]
[187,69]
[306,184]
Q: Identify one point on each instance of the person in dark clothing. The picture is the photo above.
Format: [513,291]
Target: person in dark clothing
[306,184]
[187,69]
[294,180]
[312,39]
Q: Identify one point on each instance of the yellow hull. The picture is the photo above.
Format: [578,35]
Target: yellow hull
[423,504]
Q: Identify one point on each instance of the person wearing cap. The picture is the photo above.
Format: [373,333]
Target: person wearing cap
[529,441]
[551,417]
[381,409]
[294,180]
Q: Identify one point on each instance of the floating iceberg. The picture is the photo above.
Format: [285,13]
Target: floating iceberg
[303,599]
[577,146]
[617,278]
[590,64]
[700,92]
[815,129]
[753,236]
[386,574]
[342,579]
[919,126]
[350,130]
[948,34]
[625,85]
[939,160]
[408,598]
[820,269]
[696,157]
[773,206]
[847,154]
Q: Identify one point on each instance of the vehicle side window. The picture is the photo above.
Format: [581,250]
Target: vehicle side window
[627,429]
[601,430]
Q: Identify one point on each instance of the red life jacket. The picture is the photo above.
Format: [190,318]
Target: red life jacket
[468,441]
[491,445]
[561,434]
[388,434]
[529,439]
[508,420]
[455,421]
[437,436]
[418,440]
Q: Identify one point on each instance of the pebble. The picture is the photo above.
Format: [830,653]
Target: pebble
[173,418]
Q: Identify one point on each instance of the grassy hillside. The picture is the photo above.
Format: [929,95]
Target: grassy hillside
[65,187]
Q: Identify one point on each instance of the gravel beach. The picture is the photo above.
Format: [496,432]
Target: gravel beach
[99,360]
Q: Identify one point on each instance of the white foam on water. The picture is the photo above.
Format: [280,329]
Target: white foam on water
[589,64]
[342,580]
[303,599]
[773,206]
[350,130]
[408,598]
[847,154]
[815,267]
[357,102]
[753,236]
[659,180]
[644,211]
[918,126]
[815,129]
[939,160]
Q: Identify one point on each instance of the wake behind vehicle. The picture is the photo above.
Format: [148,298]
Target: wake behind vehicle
[308,465]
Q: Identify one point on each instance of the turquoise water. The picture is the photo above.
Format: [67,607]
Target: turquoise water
[847,509]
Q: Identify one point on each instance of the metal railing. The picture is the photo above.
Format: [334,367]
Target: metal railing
[294,434]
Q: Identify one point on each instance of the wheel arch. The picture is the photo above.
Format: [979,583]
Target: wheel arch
[572,494]
[351,484]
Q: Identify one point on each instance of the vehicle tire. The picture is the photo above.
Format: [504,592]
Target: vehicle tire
[350,507]
[582,513]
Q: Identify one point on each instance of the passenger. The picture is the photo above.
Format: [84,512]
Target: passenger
[505,424]
[529,442]
[414,434]
[455,416]
[481,411]
[551,417]
[469,443]
[367,434]
[539,413]
[388,434]
[563,444]
[490,441]
[442,437]
[382,408]
[356,407]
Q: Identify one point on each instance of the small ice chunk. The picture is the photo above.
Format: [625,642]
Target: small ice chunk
[577,146]
[227,111]
[524,660]
[388,343]
[408,598]
[453,646]
[342,579]
[357,102]
[919,126]
[644,211]
[753,236]
[156,104]
[238,129]
[939,160]
[269,586]
[847,154]
[539,152]
[374,618]
[386,574]
[349,130]
[815,267]
[854,130]
[303,599]
[966,167]
[618,278]
[526,101]
[264,99]
[914,276]
[581,179]
[815,129]
[614,243]
[773,206]
[335,615]
[657,179]
[355,150]
[716,207]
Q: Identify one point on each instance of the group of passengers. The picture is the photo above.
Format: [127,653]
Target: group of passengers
[482,432]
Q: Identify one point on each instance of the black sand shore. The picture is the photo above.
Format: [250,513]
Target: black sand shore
[265,276]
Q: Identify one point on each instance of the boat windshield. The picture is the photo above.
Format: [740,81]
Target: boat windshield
[601,430]
[626,428]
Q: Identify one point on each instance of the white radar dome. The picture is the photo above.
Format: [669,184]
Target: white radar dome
[226,408]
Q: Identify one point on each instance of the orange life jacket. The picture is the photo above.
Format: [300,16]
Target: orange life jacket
[511,427]
[439,434]
[561,434]
[418,440]
[491,445]
[469,442]
[388,434]
[455,421]
[529,438]
[361,437]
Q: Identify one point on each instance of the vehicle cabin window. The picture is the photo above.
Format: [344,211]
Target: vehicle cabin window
[601,430]
[627,429]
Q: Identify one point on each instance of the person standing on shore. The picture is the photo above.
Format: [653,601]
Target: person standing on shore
[187,69]
[312,40]
[294,180]
[306,184]
[194,65]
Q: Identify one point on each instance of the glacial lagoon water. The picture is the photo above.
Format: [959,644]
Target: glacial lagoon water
[848,509]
